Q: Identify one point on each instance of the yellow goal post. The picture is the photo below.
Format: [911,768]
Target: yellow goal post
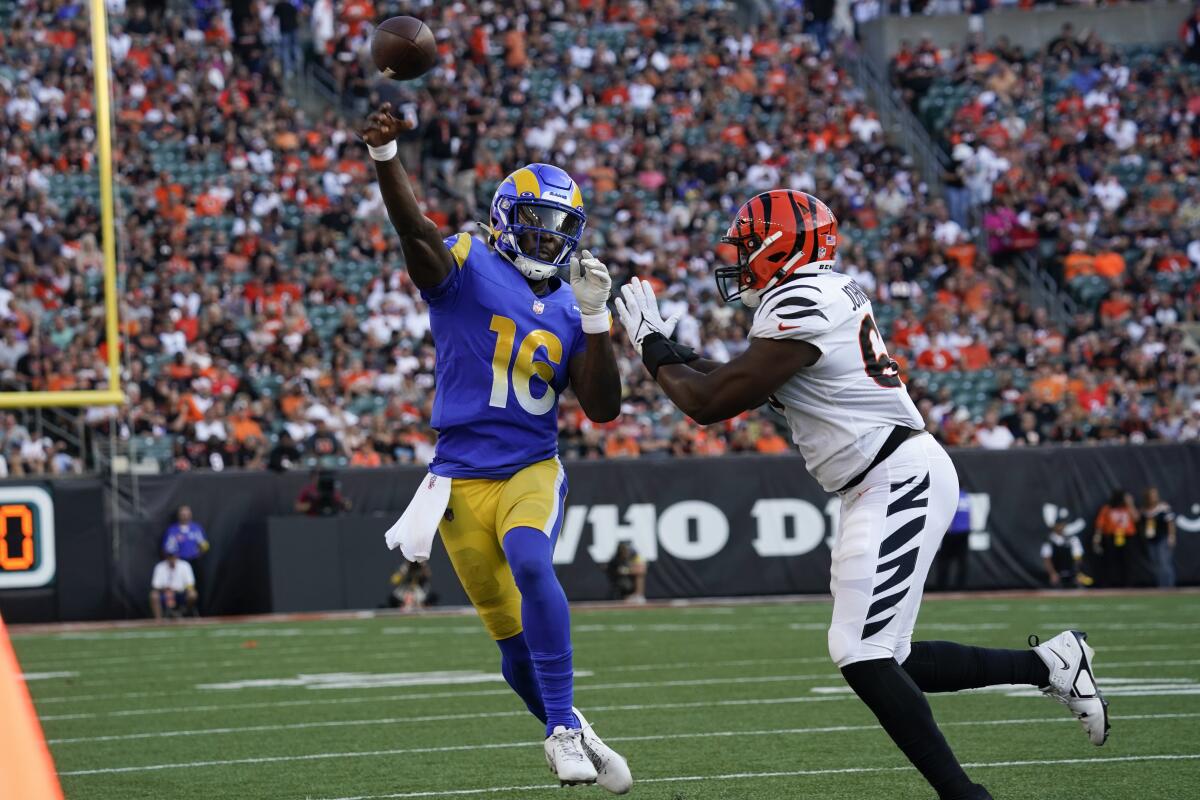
[113,395]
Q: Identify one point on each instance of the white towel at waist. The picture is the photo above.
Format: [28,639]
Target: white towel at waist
[413,533]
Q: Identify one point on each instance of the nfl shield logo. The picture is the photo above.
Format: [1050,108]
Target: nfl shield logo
[538,306]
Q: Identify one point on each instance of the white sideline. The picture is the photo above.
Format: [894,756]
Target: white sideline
[799,773]
[527,743]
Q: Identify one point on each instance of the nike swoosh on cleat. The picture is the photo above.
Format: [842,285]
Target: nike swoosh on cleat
[1065,665]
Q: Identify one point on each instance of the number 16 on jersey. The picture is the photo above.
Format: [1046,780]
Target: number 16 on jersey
[524,368]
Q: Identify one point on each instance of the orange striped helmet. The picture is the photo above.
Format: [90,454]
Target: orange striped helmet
[777,234]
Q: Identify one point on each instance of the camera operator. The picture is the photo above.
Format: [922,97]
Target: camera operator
[322,498]
[627,574]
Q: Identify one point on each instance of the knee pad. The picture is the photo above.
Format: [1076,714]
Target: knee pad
[502,619]
[529,558]
[529,572]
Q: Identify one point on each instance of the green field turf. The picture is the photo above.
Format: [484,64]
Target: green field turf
[736,702]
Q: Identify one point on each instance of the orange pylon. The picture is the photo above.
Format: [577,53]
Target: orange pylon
[26,769]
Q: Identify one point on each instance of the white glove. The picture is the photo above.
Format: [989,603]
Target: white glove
[639,314]
[592,285]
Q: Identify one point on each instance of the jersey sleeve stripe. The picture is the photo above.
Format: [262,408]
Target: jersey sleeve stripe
[812,312]
[803,302]
[461,248]
[784,296]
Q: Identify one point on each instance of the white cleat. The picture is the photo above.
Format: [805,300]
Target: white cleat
[1068,657]
[568,762]
[612,771]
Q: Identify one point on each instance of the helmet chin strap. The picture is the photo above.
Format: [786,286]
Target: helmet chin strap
[750,298]
[534,270]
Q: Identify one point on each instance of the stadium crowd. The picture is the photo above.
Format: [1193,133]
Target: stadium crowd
[268,321]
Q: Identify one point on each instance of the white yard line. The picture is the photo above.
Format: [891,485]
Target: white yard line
[743,662]
[499,714]
[40,701]
[800,773]
[529,744]
[582,686]
[45,676]
[763,701]
[269,650]
[1103,665]
[257,659]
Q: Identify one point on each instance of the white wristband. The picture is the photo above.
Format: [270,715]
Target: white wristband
[384,152]
[597,323]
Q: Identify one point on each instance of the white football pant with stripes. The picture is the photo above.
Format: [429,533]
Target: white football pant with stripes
[890,528]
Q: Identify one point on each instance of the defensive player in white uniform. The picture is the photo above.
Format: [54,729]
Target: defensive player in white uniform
[816,354]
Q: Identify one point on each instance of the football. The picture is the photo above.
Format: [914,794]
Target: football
[403,48]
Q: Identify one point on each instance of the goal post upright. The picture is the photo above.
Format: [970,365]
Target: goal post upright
[103,94]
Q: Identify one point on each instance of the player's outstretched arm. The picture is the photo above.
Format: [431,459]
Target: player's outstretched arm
[705,390]
[428,260]
[594,373]
[744,383]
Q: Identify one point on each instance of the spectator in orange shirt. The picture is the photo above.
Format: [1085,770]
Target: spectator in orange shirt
[245,428]
[1048,386]
[366,455]
[209,205]
[709,442]
[1117,308]
[769,441]
[1078,262]
[1115,525]
[1109,264]
[179,370]
[622,444]
[516,56]
[975,356]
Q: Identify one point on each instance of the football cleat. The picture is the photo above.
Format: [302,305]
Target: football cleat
[612,771]
[568,762]
[1068,657]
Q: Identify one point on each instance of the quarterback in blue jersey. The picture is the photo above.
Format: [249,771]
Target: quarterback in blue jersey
[510,336]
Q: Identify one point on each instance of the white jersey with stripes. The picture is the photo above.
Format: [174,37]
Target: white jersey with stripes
[842,408]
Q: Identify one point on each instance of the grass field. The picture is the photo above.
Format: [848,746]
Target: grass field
[731,702]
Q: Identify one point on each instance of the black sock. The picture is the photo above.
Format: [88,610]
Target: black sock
[950,667]
[904,713]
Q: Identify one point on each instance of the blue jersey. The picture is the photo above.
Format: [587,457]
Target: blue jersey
[186,541]
[961,522]
[502,356]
